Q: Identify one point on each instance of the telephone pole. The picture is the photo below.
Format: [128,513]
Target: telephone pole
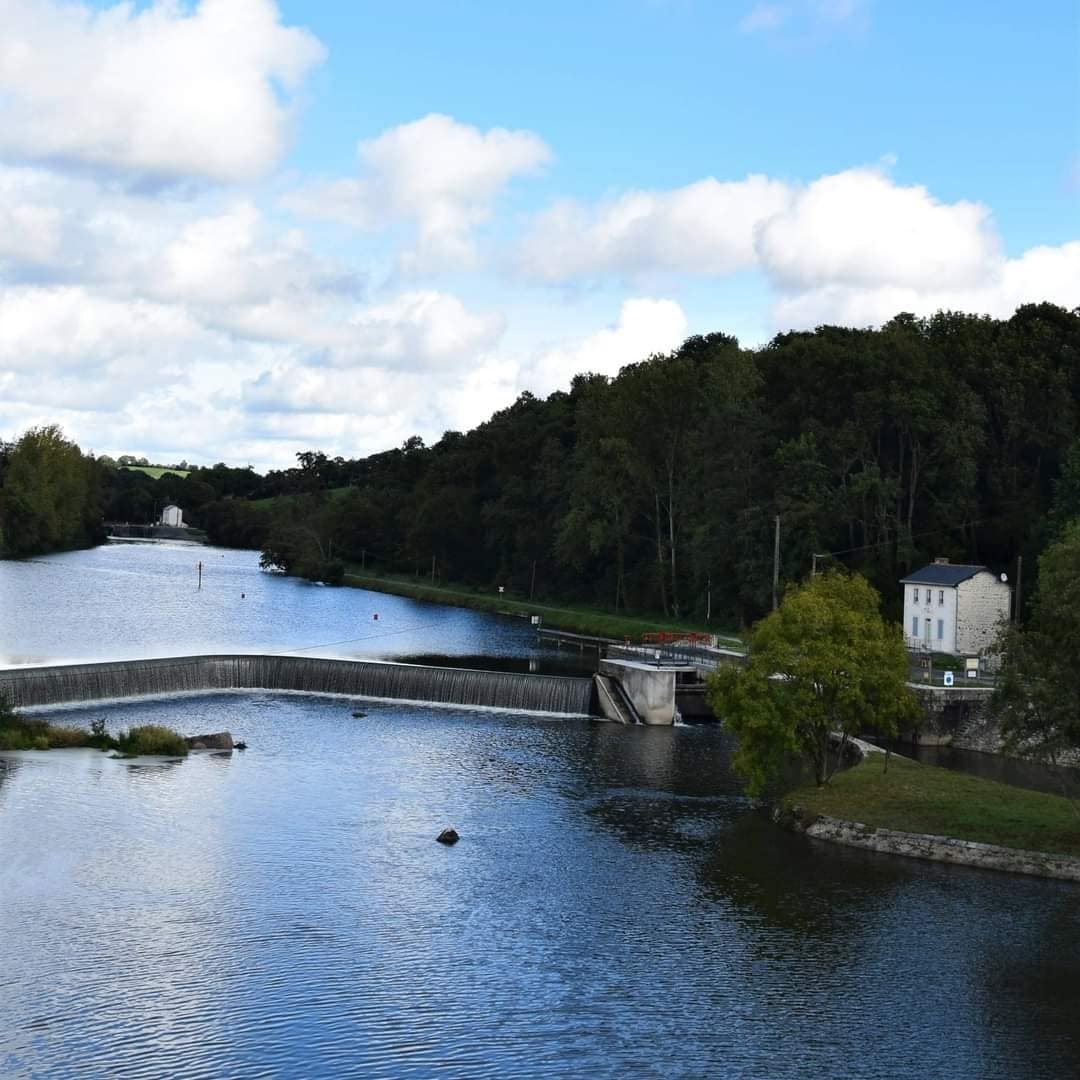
[776,564]
[1018,611]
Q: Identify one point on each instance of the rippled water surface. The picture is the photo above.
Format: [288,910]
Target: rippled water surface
[614,909]
[121,601]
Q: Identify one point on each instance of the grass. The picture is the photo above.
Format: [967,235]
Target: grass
[918,798]
[152,739]
[155,472]
[578,619]
[20,732]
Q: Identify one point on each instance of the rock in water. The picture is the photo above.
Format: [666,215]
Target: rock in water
[221,740]
[448,837]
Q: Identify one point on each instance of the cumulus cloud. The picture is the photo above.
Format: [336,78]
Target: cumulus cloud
[437,174]
[703,228]
[859,227]
[162,91]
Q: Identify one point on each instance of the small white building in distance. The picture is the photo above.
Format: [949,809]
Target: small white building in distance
[951,608]
[172,515]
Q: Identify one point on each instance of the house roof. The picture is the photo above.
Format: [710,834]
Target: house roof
[942,574]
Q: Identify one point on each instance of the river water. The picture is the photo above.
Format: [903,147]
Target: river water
[615,907]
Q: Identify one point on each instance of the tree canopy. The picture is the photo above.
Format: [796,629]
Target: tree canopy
[1038,695]
[824,664]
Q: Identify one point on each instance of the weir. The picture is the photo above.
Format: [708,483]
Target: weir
[69,683]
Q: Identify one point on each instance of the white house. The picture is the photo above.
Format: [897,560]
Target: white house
[951,608]
[172,515]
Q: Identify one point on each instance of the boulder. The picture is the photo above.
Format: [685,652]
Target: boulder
[448,837]
[220,740]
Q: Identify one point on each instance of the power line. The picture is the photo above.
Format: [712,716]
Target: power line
[913,536]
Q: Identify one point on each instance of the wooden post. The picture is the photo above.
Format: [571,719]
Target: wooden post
[432,569]
[532,583]
[1018,611]
[200,574]
[776,564]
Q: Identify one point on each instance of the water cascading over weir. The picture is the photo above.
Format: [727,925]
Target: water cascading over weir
[70,683]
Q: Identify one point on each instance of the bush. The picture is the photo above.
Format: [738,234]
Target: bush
[153,739]
[61,738]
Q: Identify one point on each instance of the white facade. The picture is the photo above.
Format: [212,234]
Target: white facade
[961,619]
[930,617]
[172,515]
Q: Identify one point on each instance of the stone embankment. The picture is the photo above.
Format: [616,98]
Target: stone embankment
[924,846]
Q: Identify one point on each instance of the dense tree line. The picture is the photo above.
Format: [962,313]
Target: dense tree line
[50,494]
[657,490]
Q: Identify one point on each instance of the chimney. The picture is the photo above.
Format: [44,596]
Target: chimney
[939,561]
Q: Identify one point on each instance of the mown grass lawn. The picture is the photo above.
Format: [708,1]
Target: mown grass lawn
[574,618]
[918,798]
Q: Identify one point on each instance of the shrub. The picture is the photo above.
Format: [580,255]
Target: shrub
[153,739]
[60,738]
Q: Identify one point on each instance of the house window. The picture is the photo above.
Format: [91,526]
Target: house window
[941,629]
[915,626]
[916,596]
[941,597]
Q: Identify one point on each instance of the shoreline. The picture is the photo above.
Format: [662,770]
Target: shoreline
[575,620]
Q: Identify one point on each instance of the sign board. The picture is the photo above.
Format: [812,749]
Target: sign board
[536,620]
[502,588]
[971,665]
[948,678]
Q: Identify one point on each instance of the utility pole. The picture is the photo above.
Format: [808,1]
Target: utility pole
[200,574]
[1018,611]
[776,564]
[363,558]
[532,582]
[708,597]
[432,569]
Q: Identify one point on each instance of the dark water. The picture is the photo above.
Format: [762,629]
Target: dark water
[122,601]
[615,908]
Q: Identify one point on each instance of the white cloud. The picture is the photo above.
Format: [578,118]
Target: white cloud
[764,17]
[644,326]
[803,16]
[163,90]
[440,175]
[703,228]
[1049,274]
[859,227]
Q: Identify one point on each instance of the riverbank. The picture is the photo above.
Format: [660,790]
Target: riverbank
[574,618]
[929,812]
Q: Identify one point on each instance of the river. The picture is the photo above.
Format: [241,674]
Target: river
[615,907]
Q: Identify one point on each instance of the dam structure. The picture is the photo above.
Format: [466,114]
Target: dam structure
[117,679]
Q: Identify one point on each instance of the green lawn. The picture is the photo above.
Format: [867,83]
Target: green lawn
[575,618]
[920,798]
[155,472]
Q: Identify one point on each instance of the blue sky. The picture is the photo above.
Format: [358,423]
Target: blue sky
[236,229]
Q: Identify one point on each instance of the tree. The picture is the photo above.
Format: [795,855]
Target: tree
[824,663]
[1038,695]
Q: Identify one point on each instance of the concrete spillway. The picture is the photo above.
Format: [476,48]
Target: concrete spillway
[27,687]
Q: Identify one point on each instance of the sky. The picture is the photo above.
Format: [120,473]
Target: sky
[233,230]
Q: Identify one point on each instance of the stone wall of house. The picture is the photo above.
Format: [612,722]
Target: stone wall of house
[983,606]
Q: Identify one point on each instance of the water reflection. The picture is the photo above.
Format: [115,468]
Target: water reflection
[615,908]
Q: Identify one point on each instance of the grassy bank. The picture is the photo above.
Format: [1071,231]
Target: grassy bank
[577,619]
[918,798]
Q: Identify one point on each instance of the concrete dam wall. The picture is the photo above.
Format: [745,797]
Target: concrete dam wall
[71,683]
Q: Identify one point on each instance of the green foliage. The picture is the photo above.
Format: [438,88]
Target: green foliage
[50,495]
[824,663]
[153,739]
[19,732]
[1038,695]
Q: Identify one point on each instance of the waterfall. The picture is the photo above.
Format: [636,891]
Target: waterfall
[58,685]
